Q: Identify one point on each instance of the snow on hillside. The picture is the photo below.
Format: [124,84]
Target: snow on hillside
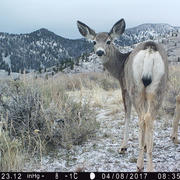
[169,42]
[146,32]
[43,47]
[91,64]
[7,60]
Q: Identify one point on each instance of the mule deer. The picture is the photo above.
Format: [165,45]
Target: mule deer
[176,121]
[142,74]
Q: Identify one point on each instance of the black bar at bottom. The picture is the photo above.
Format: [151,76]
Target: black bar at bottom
[89,175]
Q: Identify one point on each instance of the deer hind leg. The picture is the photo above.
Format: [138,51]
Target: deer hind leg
[140,160]
[141,111]
[176,119]
[149,126]
[127,108]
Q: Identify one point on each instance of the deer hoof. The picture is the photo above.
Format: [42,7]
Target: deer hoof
[175,140]
[140,169]
[122,150]
[150,168]
[145,148]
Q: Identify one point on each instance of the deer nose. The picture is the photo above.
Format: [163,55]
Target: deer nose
[99,52]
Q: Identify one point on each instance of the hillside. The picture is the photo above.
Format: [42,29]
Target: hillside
[146,32]
[40,48]
[44,49]
[92,63]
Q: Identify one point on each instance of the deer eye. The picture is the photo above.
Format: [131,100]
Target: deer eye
[108,42]
[94,42]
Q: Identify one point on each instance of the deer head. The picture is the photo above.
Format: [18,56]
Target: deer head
[102,41]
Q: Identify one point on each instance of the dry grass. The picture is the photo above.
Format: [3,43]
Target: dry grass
[172,90]
[89,81]
[40,113]
[11,158]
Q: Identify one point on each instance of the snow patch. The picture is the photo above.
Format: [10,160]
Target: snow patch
[7,60]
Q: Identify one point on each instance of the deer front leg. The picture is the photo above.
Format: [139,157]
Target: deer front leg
[176,119]
[127,108]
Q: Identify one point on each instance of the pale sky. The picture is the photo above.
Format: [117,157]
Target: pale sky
[60,16]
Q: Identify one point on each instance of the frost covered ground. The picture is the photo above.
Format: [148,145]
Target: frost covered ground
[100,153]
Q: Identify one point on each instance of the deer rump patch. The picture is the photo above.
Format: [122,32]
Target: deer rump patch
[148,65]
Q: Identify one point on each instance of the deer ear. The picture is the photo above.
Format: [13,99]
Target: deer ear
[117,29]
[86,31]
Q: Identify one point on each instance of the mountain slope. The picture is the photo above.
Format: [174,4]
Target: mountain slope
[43,48]
[146,32]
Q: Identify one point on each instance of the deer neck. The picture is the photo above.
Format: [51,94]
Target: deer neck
[115,62]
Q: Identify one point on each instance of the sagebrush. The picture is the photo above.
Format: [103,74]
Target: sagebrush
[36,116]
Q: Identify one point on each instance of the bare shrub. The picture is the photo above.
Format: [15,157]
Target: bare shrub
[20,106]
[73,122]
[42,115]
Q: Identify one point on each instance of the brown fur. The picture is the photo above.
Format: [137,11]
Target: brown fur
[150,45]
[146,103]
